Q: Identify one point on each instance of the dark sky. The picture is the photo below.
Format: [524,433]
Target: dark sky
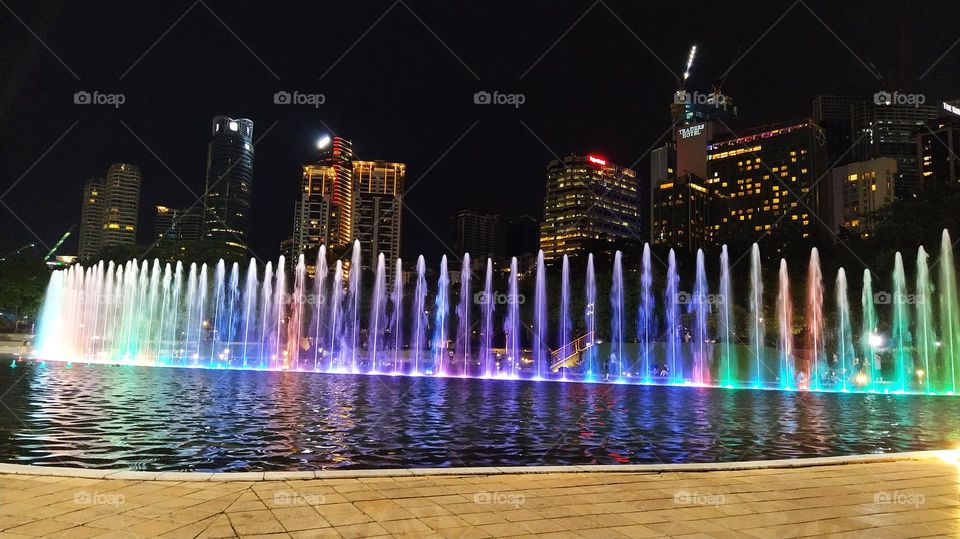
[399,80]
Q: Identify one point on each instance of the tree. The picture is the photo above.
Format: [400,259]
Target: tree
[23,281]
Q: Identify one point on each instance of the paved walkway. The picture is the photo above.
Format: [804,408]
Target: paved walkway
[916,498]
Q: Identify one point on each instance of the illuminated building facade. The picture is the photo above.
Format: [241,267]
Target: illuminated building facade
[229,182]
[589,201]
[890,130]
[865,186]
[938,147]
[764,177]
[91,219]
[681,213]
[314,215]
[377,208]
[172,224]
[121,202]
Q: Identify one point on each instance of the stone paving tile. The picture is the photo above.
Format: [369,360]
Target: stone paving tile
[890,499]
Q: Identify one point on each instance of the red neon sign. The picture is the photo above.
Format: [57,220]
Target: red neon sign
[596,160]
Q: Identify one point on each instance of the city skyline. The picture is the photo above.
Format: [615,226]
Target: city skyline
[154,130]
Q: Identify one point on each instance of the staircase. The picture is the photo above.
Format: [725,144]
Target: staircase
[561,357]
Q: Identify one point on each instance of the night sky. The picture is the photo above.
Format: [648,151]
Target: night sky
[399,80]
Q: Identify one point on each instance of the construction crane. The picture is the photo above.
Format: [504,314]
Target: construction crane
[59,243]
[690,58]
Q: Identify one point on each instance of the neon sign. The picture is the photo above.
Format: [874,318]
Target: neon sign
[596,160]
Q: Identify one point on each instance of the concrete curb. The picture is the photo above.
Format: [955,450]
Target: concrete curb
[23,469]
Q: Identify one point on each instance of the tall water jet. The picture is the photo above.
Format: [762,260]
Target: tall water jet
[564,315]
[336,341]
[925,335]
[672,300]
[589,361]
[949,314]
[266,304]
[354,315]
[541,353]
[725,329]
[250,287]
[787,371]
[219,309]
[487,359]
[870,336]
[319,303]
[378,316]
[902,364]
[645,326]
[511,325]
[396,317]
[845,351]
[815,320]
[296,316]
[756,314]
[440,321]
[277,313]
[700,306]
[464,338]
[615,364]
[418,318]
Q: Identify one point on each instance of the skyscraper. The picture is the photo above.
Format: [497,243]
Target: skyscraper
[890,130]
[938,147]
[479,234]
[589,201]
[377,211]
[91,220]
[833,113]
[121,203]
[229,182]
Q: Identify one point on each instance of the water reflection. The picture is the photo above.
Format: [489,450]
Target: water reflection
[197,419]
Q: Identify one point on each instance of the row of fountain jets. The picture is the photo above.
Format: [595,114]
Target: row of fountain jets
[142,313]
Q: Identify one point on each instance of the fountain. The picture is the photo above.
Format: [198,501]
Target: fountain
[278,317]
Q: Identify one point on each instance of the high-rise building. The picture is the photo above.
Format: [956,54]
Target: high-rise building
[865,186]
[938,145]
[523,236]
[833,114]
[681,213]
[173,224]
[377,210]
[91,219]
[229,182]
[767,176]
[479,234]
[121,202]
[589,201]
[312,216]
[890,130]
